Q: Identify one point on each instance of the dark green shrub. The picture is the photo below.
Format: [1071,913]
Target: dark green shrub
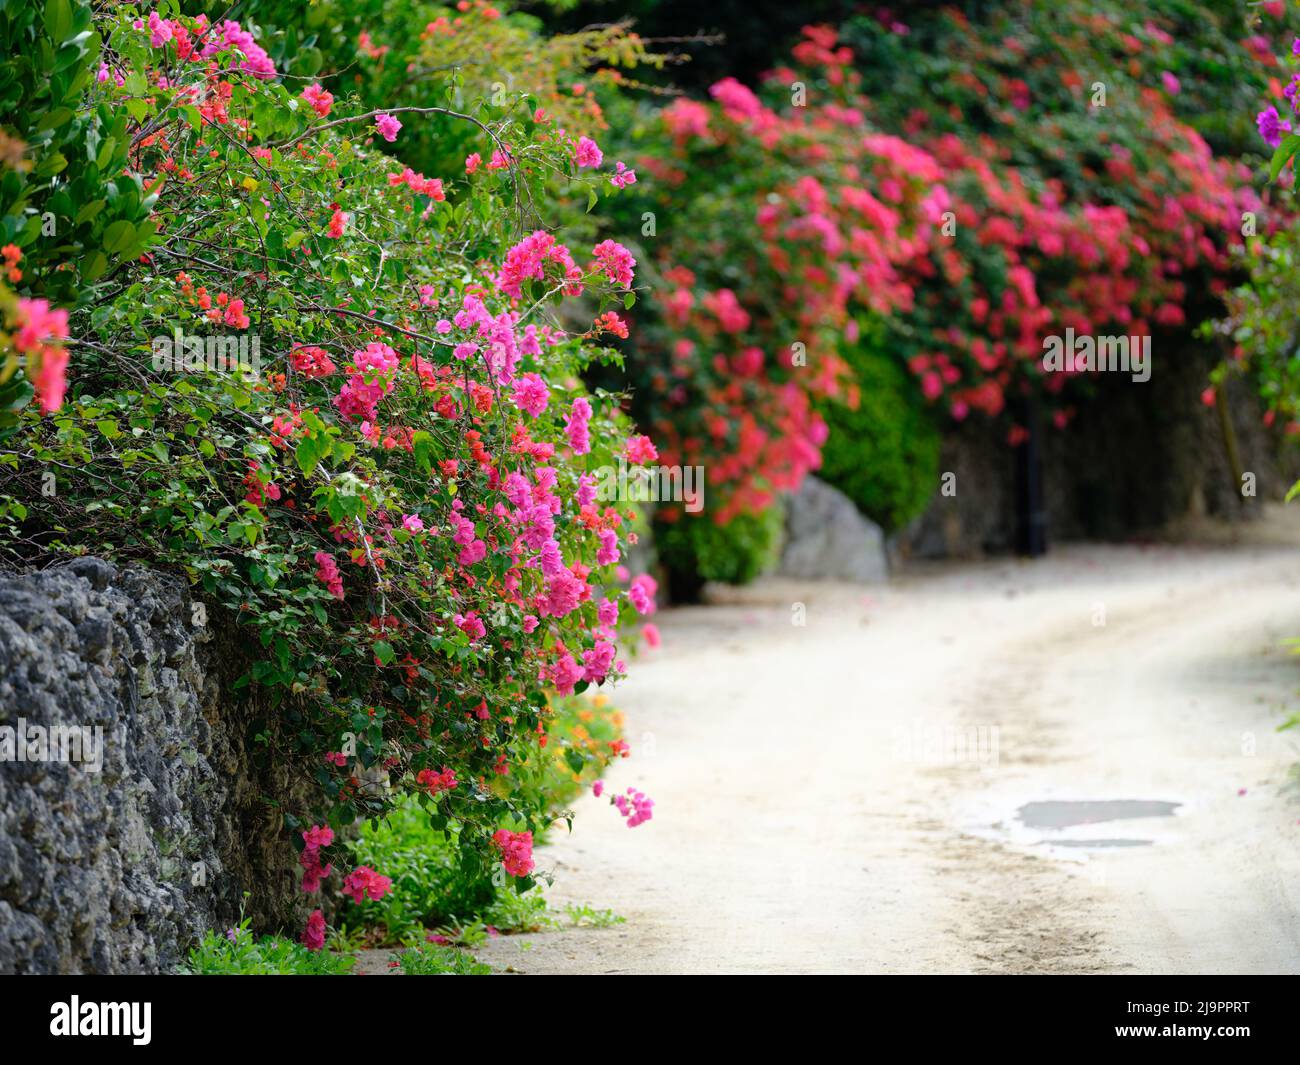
[695,549]
[885,454]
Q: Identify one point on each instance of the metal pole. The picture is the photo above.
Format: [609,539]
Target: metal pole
[1031,508]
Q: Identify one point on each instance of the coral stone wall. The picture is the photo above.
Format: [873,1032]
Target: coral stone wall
[119,870]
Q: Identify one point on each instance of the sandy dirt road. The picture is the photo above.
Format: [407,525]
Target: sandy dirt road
[830,797]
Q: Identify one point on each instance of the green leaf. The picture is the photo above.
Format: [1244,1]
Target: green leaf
[384,652]
[58,19]
[94,265]
[1284,151]
[310,450]
[118,237]
[106,151]
[422,449]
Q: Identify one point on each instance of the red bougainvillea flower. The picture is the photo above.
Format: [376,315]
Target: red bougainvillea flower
[516,850]
[313,936]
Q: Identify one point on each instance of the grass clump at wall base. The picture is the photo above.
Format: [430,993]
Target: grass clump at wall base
[885,454]
[238,952]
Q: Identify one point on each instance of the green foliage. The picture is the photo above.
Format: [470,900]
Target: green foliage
[500,69]
[434,881]
[698,549]
[66,199]
[1259,336]
[1261,325]
[884,455]
[581,916]
[581,734]
[439,885]
[218,954]
[961,69]
[428,959]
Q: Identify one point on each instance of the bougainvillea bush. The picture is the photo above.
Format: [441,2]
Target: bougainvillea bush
[342,395]
[431,886]
[1259,333]
[1081,197]
[772,227]
[948,190]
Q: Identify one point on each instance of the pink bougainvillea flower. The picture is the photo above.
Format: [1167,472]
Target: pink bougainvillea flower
[564,673]
[436,783]
[38,325]
[431,187]
[235,315]
[607,611]
[622,176]
[471,625]
[318,99]
[49,379]
[327,572]
[313,936]
[588,153]
[640,450]
[596,662]
[530,257]
[575,426]
[364,883]
[160,31]
[1272,126]
[636,807]
[642,593]
[531,394]
[615,261]
[38,330]
[388,127]
[736,99]
[607,554]
[312,362]
[338,221]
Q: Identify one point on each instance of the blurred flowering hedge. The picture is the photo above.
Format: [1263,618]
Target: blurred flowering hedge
[1084,196]
[951,189]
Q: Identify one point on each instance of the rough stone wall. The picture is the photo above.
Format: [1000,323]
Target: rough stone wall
[98,870]
[1138,458]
